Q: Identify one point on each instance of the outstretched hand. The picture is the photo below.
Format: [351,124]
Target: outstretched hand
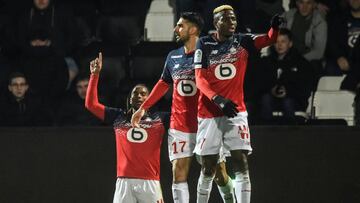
[276,21]
[136,117]
[96,65]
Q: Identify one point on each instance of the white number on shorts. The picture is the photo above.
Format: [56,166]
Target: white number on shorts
[186,88]
[174,144]
[137,135]
[225,71]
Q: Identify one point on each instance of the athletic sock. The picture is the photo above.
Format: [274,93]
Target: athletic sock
[180,192]
[204,188]
[242,187]
[227,192]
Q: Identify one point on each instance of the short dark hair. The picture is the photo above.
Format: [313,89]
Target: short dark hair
[194,18]
[16,75]
[287,32]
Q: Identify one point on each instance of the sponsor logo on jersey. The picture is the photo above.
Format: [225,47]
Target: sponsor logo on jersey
[176,56]
[223,60]
[225,71]
[232,50]
[213,52]
[141,124]
[186,88]
[211,43]
[137,135]
[176,66]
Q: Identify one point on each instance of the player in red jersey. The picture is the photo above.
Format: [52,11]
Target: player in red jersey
[179,72]
[138,171]
[220,63]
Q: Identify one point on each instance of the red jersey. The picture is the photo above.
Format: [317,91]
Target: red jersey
[137,149]
[178,71]
[220,69]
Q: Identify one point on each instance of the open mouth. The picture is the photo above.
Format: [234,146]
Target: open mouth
[232,29]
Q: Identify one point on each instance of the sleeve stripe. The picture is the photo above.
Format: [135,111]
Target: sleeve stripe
[197,66]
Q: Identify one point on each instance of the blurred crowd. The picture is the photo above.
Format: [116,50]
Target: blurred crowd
[46,46]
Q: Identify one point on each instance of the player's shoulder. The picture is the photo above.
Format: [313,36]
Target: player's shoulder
[244,36]
[175,53]
[162,116]
[208,40]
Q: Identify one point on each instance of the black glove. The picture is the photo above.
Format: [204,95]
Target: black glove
[276,21]
[227,106]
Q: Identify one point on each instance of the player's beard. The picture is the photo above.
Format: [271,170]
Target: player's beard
[181,40]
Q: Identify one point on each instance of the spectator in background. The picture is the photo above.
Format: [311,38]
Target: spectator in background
[72,111]
[309,30]
[326,7]
[45,39]
[287,72]
[344,32]
[20,107]
[351,81]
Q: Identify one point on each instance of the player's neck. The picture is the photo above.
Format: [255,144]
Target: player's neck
[221,38]
[190,45]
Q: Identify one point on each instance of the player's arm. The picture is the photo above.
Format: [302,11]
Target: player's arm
[158,91]
[202,83]
[161,87]
[226,105]
[91,100]
[270,38]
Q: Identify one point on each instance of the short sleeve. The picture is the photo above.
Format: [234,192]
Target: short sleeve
[199,56]
[166,74]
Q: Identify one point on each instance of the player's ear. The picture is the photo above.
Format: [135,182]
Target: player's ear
[193,30]
[215,23]
[216,20]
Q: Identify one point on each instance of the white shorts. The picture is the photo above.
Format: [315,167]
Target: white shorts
[222,156]
[231,133]
[130,190]
[180,144]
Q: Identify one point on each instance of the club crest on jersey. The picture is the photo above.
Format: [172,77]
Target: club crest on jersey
[198,56]
[232,50]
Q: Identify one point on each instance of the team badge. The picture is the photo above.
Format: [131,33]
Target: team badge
[198,56]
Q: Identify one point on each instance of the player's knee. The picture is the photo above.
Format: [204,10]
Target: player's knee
[179,176]
[180,171]
[208,164]
[240,163]
[209,169]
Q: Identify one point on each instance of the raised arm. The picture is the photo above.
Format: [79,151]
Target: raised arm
[270,38]
[91,100]
[161,87]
